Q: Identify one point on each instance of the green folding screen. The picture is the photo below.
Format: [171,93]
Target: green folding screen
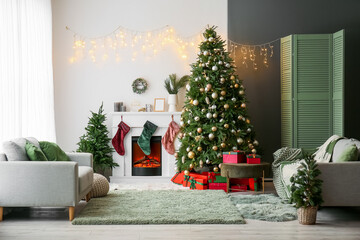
[311,88]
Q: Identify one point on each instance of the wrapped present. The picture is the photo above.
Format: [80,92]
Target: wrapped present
[240,181]
[253,184]
[178,178]
[198,184]
[236,156]
[214,177]
[198,175]
[238,188]
[186,181]
[218,186]
[253,159]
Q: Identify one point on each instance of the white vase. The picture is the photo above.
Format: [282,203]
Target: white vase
[172,100]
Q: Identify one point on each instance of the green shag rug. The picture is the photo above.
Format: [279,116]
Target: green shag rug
[160,207]
[266,207]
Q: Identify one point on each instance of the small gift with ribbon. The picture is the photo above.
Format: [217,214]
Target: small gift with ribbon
[236,156]
[198,184]
[253,159]
[215,177]
[186,182]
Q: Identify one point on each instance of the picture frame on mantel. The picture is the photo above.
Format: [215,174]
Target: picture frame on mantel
[159,105]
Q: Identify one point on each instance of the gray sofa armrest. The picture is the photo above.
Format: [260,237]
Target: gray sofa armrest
[38,184]
[83,159]
[3,157]
[340,183]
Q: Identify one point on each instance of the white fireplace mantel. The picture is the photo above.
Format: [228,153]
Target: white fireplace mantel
[136,121]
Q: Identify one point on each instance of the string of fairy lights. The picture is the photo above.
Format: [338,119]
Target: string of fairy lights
[247,54]
[127,43]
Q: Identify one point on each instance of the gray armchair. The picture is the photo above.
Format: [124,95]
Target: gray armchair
[45,184]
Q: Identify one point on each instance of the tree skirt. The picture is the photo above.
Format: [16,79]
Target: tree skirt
[160,207]
[266,207]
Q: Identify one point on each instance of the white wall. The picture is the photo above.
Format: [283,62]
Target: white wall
[82,86]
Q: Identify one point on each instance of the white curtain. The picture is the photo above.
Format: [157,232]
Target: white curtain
[26,75]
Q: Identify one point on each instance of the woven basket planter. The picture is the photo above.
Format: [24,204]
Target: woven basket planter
[307,216]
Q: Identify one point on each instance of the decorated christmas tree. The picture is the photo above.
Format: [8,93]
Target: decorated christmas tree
[214,118]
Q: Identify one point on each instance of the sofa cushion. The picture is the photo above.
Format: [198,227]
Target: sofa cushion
[15,148]
[34,153]
[53,152]
[343,144]
[85,178]
[349,154]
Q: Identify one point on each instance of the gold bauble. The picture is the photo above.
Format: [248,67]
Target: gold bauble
[216,169]
[222,145]
[232,77]
[202,89]
[226,125]
[215,148]
[223,93]
[176,155]
[197,138]
[243,105]
[191,154]
[236,85]
[251,146]
[199,130]
[191,165]
[208,86]
[226,106]
[199,149]
[191,101]
[247,120]
[186,172]
[213,128]
[253,151]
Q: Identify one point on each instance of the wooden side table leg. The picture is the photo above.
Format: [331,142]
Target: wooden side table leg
[227,182]
[263,181]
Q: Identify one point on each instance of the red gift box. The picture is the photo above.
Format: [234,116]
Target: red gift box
[234,157]
[253,184]
[238,188]
[215,177]
[240,181]
[253,159]
[186,179]
[218,186]
[178,178]
[198,184]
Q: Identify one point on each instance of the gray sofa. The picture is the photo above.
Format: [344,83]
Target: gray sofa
[340,184]
[26,183]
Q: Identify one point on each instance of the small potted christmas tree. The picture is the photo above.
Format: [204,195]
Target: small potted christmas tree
[97,142]
[306,191]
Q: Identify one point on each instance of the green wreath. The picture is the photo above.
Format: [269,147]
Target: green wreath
[139,85]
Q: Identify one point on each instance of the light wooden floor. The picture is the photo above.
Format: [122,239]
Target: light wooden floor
[44,223]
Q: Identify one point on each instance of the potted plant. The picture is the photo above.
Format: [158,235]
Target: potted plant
[172,85]
[306,191]
[97,142]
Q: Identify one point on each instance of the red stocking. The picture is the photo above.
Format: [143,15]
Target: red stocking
[169,137]
[118,140]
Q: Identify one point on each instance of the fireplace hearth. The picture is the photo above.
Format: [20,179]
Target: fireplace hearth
[146,165]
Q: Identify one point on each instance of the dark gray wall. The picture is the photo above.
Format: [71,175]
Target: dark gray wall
[259,21]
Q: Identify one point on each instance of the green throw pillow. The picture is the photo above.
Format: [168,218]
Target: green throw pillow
[349,154]
[34,153]
[53,152]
